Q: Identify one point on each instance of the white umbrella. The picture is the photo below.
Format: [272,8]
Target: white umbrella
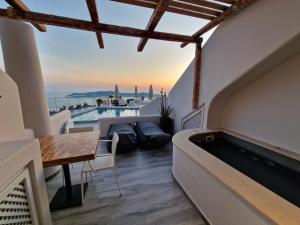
[116,91]
[136,94]
[150,95]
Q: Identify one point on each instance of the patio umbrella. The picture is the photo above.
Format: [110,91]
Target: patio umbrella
[116,91]
[136,94]
[150,95]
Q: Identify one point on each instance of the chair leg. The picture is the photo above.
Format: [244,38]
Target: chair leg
[117,179]
[91,175]
[82,201]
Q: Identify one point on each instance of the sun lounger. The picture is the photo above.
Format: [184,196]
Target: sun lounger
[150,135]
[127,136]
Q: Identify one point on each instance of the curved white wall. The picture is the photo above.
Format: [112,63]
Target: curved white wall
[21,60]
[269,108]
[22,64]
[218,204]
[11,119]
[235,50]
[59,119]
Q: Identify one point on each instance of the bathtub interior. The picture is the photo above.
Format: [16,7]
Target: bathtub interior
[277,172]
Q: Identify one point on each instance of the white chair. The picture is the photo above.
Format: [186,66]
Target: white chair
[102,162]
[76,130]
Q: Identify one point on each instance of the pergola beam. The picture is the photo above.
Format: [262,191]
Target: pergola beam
[18,4]
[182,11]
[227,1]
[211,5]
[188,7]
[194,8]
[92,7]
[238,6]
[34,17]
[197,76]
[157,14]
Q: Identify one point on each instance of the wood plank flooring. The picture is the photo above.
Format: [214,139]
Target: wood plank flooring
[150,194]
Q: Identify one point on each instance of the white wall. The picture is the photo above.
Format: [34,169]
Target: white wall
[11,119]
[151,108]
[59,119]
[269,108]
[180,96]
[241,49]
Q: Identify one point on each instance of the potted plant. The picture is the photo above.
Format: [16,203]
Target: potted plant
[99,101]
[166,122]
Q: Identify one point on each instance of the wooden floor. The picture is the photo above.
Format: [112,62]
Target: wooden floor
[150,194]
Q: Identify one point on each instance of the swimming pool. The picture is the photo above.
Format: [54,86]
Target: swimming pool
[100,112]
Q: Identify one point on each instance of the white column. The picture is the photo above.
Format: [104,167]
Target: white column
[22,63]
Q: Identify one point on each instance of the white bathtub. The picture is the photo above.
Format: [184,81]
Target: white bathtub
[222,194]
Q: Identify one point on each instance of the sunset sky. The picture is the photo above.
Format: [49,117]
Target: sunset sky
[72,61]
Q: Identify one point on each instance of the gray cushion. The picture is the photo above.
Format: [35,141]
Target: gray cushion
[151,136]
[127,137]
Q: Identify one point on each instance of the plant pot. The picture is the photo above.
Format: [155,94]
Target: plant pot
[166,124]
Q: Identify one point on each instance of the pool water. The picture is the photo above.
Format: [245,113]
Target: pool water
[98,113]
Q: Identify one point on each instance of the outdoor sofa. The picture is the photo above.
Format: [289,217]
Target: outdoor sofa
[147,135]
[127,137]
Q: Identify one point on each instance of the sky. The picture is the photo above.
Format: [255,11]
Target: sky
[72,61]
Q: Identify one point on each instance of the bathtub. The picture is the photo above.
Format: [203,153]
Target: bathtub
[223,194]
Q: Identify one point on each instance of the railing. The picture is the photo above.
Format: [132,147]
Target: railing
[57,103]
[194,119]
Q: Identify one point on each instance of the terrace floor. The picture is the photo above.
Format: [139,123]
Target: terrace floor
[150,194]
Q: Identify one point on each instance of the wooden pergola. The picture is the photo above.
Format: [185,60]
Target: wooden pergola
[213,11]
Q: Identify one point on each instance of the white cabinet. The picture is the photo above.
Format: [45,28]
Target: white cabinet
[23,194]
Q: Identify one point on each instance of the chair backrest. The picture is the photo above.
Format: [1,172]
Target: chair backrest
[114,144]
[80,129]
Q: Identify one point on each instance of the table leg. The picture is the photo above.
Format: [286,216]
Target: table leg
[68,196]
[68,180]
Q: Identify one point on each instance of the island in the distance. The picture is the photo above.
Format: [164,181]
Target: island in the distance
[107,94]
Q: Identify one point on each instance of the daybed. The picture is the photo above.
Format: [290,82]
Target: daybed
[151,136]
[127,137]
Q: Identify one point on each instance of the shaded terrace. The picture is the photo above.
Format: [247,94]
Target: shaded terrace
[151,196]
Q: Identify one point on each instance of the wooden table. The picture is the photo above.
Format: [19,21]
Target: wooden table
[63,150]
